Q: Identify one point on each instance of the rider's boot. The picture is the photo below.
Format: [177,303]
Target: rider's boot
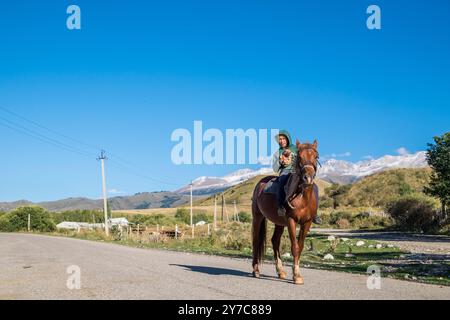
[317,219]
[281,211]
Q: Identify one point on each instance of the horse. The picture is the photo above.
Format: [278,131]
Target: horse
[302,208]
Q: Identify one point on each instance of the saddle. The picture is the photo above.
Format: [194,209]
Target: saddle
[270,186]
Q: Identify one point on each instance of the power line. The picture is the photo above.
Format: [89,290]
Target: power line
[44,140]
[49,129]
[121,162]
[126,163]
[136,173]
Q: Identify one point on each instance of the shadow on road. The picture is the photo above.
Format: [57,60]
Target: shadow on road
[222,271]
[214,271]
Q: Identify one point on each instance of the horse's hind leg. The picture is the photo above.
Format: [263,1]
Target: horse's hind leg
[258,221]
[276,241]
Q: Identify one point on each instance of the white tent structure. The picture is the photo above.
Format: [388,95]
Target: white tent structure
[120,222]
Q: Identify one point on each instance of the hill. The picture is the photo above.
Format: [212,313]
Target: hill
[144,200]
[243,192]
[378,189]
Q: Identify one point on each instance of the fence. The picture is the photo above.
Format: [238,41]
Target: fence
[155,233]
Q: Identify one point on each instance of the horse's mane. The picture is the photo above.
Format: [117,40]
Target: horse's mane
[304,146]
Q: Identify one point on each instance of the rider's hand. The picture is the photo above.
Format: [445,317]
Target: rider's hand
[286,158]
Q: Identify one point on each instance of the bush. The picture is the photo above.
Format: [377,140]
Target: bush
[244,217]
[17,220]
[326,202]
[414,213]
[343,223]
[88,216]
[153,220]
[184,215]
[336,216]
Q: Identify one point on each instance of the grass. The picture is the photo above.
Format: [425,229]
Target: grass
[233,240]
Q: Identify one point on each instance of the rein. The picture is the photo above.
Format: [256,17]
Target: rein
[301,187]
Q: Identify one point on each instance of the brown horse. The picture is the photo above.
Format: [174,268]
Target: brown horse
[302,209]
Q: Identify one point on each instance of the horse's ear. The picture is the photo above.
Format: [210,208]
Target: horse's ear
[315,144]
[298,143]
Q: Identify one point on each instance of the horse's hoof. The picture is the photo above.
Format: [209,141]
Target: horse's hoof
[282,275]
[298,281]
[256,275]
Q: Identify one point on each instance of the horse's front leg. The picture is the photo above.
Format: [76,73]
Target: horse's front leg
[292,228]
[304,229]
[276,241]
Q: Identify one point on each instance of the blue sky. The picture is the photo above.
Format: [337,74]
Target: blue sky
[137,70]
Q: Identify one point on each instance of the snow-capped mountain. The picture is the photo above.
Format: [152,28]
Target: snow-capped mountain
[343,172]
[336,171]
[207,185]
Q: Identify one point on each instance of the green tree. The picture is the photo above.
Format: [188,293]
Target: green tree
[438,157]
[337,192]
[17,220]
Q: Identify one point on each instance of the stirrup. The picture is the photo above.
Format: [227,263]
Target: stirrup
[281,211]
[290,205]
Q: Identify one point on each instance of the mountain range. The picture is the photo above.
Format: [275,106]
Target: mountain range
[144,200]
[333,171]
[344,172]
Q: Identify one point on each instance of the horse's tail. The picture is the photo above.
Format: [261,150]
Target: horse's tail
[259,228]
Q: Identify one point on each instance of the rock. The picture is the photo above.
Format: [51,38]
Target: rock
[345,239]
[286,255]
[379,246]
[360,243]
[328,257]
[349,255]
[390,245]
[371,246]
[331,238]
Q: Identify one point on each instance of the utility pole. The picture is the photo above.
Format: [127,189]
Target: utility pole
[192,215]
[215,212]
[223,206]
[102,158]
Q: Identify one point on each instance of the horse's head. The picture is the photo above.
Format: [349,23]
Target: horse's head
[307,159]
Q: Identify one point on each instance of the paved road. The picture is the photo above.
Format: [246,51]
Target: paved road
[35,266]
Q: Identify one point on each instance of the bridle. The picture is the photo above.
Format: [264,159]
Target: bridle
[302,170]
[312,165]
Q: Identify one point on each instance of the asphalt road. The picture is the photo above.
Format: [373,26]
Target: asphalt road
[35,267]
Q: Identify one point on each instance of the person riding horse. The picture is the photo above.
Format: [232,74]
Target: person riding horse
[283,163]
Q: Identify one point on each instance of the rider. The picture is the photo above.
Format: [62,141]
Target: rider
[283,163]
